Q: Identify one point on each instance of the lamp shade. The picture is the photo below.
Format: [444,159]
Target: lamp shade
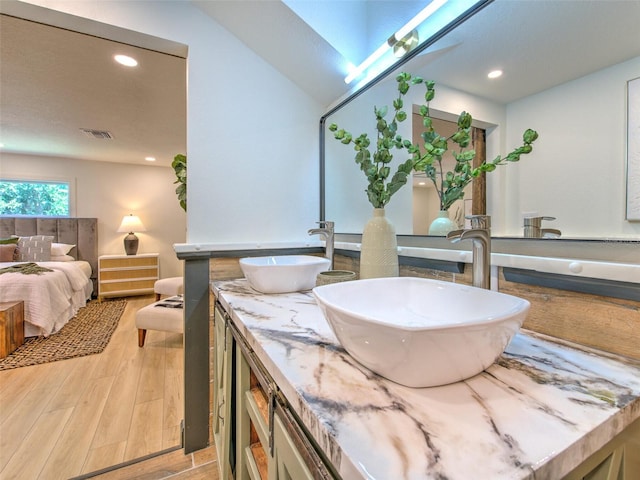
[131,223]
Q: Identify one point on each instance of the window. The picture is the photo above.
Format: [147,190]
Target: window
[35,198]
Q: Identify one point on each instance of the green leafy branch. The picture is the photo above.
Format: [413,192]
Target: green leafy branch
[450,185]
[179,166]
[376,166]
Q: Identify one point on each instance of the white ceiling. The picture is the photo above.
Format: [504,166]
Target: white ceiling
[53,81]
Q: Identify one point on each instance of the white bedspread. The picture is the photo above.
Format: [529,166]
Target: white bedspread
[50,299]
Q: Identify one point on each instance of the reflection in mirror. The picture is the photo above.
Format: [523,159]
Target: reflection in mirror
[566,66]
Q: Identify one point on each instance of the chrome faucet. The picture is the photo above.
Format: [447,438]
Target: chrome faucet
[480,234]
[533,228]
[325,231]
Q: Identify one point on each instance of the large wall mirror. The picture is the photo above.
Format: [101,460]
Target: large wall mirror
[566,67]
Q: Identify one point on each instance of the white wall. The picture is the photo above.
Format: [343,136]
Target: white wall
[108,191]
[252,137]
[578,171]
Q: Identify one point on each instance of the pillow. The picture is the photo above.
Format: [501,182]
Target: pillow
[34,249]
[59,249]
[8,241]
[6,252]
[62,258]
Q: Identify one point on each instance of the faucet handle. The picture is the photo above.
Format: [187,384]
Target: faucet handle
[326,223]
[536,221]
[480,221]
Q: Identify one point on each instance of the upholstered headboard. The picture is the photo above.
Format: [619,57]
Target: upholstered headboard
[82,232]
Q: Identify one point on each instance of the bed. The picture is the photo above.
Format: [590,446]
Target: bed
[54,297]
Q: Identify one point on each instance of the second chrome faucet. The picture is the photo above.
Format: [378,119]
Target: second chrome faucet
[480,235]
[326,232]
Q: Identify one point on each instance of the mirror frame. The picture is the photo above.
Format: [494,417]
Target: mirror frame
[413,53]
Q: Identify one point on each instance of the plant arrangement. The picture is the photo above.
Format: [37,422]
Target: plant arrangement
[449,185]
[376,166]
[179,166]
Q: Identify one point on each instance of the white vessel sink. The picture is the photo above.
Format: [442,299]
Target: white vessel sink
[420,332]
[284,273]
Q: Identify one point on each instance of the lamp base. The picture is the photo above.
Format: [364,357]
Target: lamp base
[131,244]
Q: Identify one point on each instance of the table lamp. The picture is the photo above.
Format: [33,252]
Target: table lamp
[131,223]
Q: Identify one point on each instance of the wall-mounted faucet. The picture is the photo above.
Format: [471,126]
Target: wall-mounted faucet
[325,231]
[533,228]
[480,234]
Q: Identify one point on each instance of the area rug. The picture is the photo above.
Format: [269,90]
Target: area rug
[87,333]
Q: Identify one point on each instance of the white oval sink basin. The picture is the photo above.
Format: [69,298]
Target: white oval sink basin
[284,273]
[420,332]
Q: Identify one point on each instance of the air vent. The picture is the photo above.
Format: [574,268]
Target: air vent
[97,134]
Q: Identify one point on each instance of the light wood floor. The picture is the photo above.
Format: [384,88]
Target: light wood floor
[68,418]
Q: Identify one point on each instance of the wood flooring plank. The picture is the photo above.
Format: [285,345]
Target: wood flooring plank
[145,435]
[173,407]
[29,458]
[26,416]
[104,456]
[171,436]
[110,359]
[68,455]
[75,384]
[152,375]
[118,412]
[12,392]
[18,382]
[55,373]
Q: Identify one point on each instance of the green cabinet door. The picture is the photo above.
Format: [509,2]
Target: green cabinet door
[619,459]
[222,423]
[287,463]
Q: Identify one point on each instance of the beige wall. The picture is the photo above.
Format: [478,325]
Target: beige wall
[108,191]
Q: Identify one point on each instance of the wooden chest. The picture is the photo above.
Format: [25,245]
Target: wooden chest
[11,326]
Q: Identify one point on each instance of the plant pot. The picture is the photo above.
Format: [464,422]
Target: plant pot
[379,252]
[334,276]
[442,224]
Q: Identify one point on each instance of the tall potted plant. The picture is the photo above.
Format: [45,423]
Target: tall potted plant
[379,252]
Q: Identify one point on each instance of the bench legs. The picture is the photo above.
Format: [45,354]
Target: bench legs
[142,333]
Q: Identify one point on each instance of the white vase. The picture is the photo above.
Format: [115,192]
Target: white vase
[442,224]
[379,253]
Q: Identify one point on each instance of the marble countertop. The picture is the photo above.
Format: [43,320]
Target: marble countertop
[538,412]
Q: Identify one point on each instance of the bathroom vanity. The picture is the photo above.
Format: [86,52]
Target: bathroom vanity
[289,402]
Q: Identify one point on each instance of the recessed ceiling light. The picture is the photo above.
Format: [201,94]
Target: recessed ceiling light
[495,74]
[150,159]
[126,60]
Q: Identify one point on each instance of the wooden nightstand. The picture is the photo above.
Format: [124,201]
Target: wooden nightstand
[127,275]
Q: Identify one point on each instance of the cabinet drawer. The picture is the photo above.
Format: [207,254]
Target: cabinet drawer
[129,274]
[128,262]
[126,286]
